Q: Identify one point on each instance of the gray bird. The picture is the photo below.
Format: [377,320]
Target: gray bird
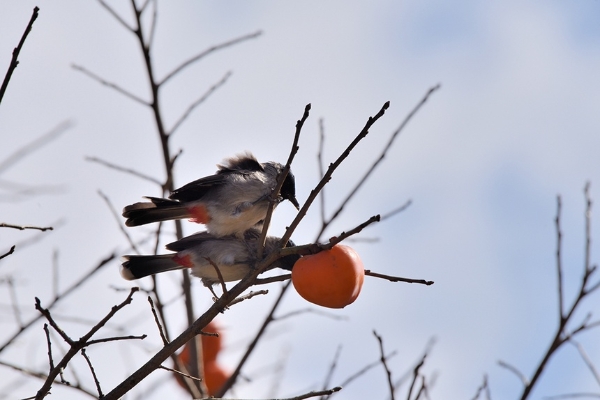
[232,255]
[229,202]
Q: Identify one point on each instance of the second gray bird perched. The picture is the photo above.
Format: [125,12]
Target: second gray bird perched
[231,201]
[233,255]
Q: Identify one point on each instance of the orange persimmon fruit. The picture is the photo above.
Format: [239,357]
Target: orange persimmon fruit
[214,375]
[331,278]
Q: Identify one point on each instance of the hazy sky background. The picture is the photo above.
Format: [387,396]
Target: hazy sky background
[514,124]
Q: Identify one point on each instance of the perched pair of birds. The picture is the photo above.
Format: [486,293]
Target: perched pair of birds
[232,204]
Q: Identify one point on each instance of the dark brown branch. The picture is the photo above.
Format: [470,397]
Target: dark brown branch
[379,160]
[49,343]
[22,228]
[89,363]
[232,379]
[8,253]
[115,339]
[332,167]
[397,278]
[14,62]
[198,102]
[385,366]
[84,278]
[123,169]
[111,85]
[315,394]
[415,376]
[206,52]
[158,324]
[271,279]
[219,274]
[75,346]
[280,179]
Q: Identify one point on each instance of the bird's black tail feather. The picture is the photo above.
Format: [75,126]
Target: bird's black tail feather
[136,267]
[155,211]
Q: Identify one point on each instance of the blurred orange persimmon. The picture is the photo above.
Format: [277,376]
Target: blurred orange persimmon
[214,375]
[332,278]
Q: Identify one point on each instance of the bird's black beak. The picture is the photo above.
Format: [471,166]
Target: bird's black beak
[294,202]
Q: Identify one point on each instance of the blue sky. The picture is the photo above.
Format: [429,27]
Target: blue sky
[514,124]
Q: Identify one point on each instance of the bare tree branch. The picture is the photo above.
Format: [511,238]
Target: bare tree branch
[89,363]
[158,324]
[123,169]
[22,228]
[111,85]
[515,371]
[381,157]
[74,286]
[14,62]
[115,15]
[206,52]
[35,144]
[397,278]
[198,102]
[385,366]
[8,253]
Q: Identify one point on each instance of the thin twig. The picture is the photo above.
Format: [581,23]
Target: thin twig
[10,282]
[586,360]
[118,221]
[385,366]
[22,228]
[198,102]
[332,167]
[115,15]
[332,368]
[14,62]
[8,253]
[111,85]
[379,159]
[158,324]
[179,373]
[321,167]
[89,363]
[280,179]
[396,210]
[561,313]
[248,296]
[49,343]
[84,278]
[397,278]
[415,376]
[515,371]
[205,53]
[232,379]
[32,146]
[76,346]
[310,311]
[219,275]
[124,169]
[115,339]
[272,279]
[484,388]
